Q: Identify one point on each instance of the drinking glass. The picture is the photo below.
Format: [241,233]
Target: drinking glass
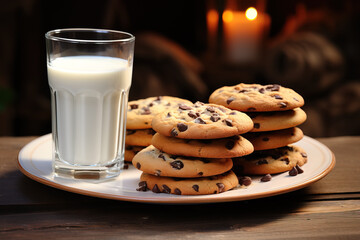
[89,74]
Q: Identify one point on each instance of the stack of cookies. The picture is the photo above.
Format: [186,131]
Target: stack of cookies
[138,125]
[192,150]
[275,111]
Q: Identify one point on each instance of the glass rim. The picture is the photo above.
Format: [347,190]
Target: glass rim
[51,35]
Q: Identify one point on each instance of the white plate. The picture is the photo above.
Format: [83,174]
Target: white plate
[35,162]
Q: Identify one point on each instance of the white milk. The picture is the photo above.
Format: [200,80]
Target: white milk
[88,94]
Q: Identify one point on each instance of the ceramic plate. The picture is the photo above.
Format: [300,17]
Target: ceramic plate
[35,162]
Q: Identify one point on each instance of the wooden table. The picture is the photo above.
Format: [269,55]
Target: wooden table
[327,209]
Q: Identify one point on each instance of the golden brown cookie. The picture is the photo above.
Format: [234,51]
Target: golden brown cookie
[189,186]
[234,146]
[130,152]
[270,161]
[139,137]
[153,161]
[274,139]
[201,121]
[141,112]
[270,121]
[257,98]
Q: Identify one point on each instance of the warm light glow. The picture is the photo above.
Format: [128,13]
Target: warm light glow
[212,15]
[251,13]
[227,16]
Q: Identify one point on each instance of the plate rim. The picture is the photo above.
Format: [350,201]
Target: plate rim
[196,199]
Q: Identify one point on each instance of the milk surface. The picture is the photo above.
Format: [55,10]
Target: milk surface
[89,95]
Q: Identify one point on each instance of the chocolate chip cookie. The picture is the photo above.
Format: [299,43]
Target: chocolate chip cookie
[139,137]
[153,161]
[270,121]
[201,121]
[141,112]
[190,186]
[234,146]
[257,98]
[270,161]
[274,139]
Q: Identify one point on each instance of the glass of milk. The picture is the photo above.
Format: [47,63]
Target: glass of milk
[89,73]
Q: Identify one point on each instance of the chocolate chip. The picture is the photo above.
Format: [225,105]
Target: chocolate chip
[173,132]
[158,98]
[221,187]
[228,122]
[243,91]
[215,118]
[155,189]
[184,107]
[299,169]
[142,186]
[138,165]
[146,111]
[229,100]
[282,105]
[274,87]
[293,172]
[200,173]
[199,120]
[251,109]
[182,127]
[278,97]
[162,156]
[168,114]
[150,104]
[262,90]
[257,125]
[177,191]
[304,155]
[262,161]
[210,109]
[134,106]
[166,189]
[177,164]
[245,181]
[266,178]
[233,113]
[192,114]
[196,188]
[157,172]
[286,160]
[230,144]
[265,139]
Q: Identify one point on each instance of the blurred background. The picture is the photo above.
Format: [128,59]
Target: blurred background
[189,48]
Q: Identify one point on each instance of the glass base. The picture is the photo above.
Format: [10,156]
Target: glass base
[87,172]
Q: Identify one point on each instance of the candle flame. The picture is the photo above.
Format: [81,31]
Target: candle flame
[251,13]
[227,16]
